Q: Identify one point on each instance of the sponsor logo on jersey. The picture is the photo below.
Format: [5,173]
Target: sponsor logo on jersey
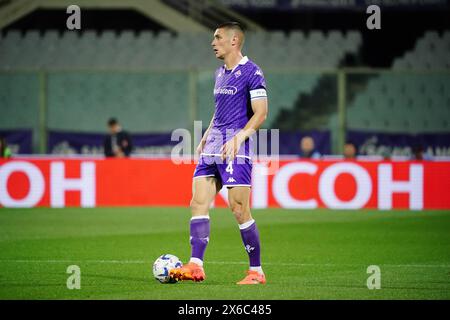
[229,90]
[231,179]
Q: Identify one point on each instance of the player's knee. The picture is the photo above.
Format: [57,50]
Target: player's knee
[238,209]
[197,205]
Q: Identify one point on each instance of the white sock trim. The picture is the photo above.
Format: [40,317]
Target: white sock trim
[197,261]
[247,224]
[258,269]
[200,217]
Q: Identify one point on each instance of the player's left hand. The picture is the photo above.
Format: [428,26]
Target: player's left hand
[231,148]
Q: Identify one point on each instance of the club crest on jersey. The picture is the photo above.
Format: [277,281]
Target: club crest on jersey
[237,74]
[228,90]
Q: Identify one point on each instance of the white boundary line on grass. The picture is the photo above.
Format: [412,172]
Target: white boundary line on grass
[225,263]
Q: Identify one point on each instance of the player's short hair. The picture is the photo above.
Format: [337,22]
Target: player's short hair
[233,25]
[112,122]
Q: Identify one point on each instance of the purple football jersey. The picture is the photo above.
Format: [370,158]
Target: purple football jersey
[233,92]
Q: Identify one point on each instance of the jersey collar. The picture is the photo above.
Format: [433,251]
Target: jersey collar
[244,60]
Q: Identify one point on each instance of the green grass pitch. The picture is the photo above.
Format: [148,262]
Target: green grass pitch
[320,254]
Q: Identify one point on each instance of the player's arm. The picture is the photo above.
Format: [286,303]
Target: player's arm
[259,107]
[205,135]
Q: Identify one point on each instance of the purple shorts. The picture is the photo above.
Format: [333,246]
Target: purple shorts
[230,173]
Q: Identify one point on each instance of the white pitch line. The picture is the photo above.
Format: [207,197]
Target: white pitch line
[283,264]
[336,264]
[78,261]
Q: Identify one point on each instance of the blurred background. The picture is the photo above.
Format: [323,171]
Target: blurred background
[355,92]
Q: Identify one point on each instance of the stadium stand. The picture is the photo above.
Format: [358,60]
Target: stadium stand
[129,54]
[415,102]
[381,105]
[431,51]
[273,49]
[19,101]
[85,100]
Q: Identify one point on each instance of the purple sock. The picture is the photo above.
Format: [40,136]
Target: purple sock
[250,238]
[199,237]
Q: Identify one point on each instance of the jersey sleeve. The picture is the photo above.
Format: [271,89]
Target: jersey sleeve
[257,85]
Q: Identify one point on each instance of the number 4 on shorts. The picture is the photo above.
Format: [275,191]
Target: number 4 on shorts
[229,168]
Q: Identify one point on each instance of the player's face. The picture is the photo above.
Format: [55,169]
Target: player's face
[222,43]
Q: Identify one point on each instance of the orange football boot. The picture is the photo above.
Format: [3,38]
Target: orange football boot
[253,277]
[190,271]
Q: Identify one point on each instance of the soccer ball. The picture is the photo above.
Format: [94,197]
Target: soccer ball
[162,266]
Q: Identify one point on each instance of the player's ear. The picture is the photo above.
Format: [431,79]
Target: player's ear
[234,40]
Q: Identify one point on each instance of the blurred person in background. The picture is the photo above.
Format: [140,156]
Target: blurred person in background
[418,153]
[349,150]
[5,152]
[386,155]
[307,148]
[118,143]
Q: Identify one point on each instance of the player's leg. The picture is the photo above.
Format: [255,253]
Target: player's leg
[204,189]
[239,200]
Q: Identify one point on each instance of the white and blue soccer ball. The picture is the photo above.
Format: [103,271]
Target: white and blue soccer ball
[162,266]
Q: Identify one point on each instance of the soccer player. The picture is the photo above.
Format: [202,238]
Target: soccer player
[225,153]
